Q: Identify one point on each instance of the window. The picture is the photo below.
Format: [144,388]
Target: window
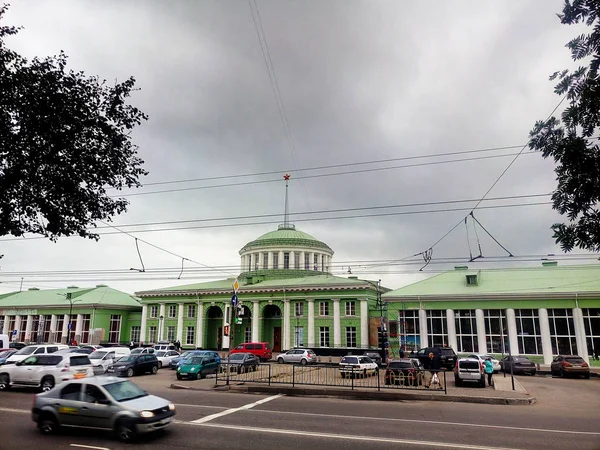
[170,333]
[80,360]
[299,337]
[71,391]
[316,261]
[247,334]
[154,312]
[59,326]
[265,260]
[286,260]
[191,311]
[152,334]
[115,329]
[92,394]
[350,308]
[350,336]
[322,263]
[296,260]
[324,336]
[45,327]
[1,322]
[135,333]
[255,259]
[299,308]
[562,332]
[496,334]
[591,321]
[306,261]
[85,328]
[466,331]
[323,308]
[189,335]
[249,259]
[528,331]
[275,260]
[471,280]
[172,311]
[437,333]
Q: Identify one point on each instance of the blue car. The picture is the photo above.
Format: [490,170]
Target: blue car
[175,362]
[6,354]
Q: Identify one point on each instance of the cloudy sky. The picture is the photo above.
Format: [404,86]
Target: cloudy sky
[358,82]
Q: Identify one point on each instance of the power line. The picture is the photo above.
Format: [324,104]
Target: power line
[324,175]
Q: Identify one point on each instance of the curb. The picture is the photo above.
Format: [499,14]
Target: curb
[361,395]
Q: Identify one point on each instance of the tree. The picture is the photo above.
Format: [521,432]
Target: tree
[65,139]
[570,141]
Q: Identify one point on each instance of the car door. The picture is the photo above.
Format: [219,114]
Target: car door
[97,409]
[69,405]
[21,373]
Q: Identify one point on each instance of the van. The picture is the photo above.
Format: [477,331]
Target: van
[261,349]
[4,341]
[35,350]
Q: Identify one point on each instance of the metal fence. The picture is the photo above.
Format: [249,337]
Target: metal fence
[332,376]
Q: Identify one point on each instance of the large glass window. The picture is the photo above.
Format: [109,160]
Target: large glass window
[306,261]
[85,328]
[275,260]
[296,260]
[466,331]
[189,335]
[172,311]
[496,335]
[409,329]
[528,331]
[562,332]
[191,311]
[135,333]
[350,336]
[299,308]
[591,322]
[299,337]
[350,308]
[114,333]
[286,260]
[437,332]
[316,261]
[171,333]
[323,308]
[265,260]
[59,326]
[154,311]
[324,336]
[45,327]
[152,334]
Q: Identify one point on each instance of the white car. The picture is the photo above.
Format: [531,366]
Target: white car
[35,350]
[357,366]
[45,371]
[165,356]
[484,356]
[101,359]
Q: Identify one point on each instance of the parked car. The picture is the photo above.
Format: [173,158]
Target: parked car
[240,363]
[302,356]
[35,350]
[17,345]
[164,345]
[107,403]
[141,351]
[564,365]
[404,372]
[261,349]
[357,366]
[134,365]
[520,364]
[484,356]
[164,357]
[5,354]
[176,361]
[197,366]
[375,356]
[102,359]
[470,370]
[45,370]
[447,356]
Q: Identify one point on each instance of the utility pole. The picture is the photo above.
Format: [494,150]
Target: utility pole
[69,340]
[232,321]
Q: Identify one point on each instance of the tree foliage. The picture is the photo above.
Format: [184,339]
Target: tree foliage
[65,140]
[572,141]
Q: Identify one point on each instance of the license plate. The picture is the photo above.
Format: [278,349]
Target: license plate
[183,373]
[166,421]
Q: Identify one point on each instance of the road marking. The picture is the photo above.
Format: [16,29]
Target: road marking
[436,422]
[15,410]
[234,410]
[354,438]
[89,446]
[200,406]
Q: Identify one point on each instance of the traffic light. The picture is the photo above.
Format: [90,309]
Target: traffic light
[226,330]
[238,320]
[382,338]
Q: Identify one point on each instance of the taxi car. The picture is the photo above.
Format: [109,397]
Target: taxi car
[106,403]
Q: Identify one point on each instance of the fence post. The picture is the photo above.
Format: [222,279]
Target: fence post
[217,375]
[293,375]
[269,374]
[445,384]
[378,380]
[352,376]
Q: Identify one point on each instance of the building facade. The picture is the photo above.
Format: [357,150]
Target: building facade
[287,297]
[545,311]
[86,315]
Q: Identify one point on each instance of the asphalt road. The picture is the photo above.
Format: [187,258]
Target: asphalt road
[567,415]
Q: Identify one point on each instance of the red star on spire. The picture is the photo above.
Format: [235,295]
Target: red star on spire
[286,177]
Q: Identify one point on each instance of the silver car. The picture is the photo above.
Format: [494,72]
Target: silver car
[107,403]
[302,356]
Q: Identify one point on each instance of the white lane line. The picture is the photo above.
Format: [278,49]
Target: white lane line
[233,410]
[355,438]
[89,446]
[12,410]
[435,422]
[200,406]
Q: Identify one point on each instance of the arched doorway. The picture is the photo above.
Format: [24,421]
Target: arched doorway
[214,328]
[243,331]
[272,326]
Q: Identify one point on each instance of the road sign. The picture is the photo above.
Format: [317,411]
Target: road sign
[234,300]
[14,333]
[236,286]
[69,327]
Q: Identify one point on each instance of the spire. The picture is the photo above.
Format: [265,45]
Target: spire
[286,217]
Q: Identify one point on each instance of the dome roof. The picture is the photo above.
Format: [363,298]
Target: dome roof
[286,236]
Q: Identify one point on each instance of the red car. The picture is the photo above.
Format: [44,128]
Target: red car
[262,350]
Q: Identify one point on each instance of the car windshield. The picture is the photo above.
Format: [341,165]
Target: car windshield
[97,355]
[447,352]
[194,360]
[350,360]
[572,360]
[5,353]
[26,351]
[237,357]
[400,365]
[124,390]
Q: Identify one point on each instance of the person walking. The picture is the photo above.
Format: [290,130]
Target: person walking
[489,370]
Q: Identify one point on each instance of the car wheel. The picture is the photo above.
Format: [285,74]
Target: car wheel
[47,384]
[47,424]
[562,373]
[4,382]
[303,361]
[130,372]
[280,360]
[125,431]
[178,377]
[154,370]
[160,364]
[586,376]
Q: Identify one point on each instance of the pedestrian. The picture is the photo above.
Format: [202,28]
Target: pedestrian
[489,370]
[435,365]
[402,353]
[177,345]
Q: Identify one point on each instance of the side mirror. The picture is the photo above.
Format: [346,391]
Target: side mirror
[104,401]
[18,363]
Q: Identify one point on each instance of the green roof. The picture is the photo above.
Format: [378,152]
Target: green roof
[521,281]
[100,296]
[286,236]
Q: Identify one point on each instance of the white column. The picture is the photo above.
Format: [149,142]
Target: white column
[161,323]
[302,257]
[180,307]
[226,314]
[364,323]
[241,264]
[511,323]
[143,324]
[18,326]
[53,320]
[280,261]
[337,332]
[255,321]
[200,325]
[311,322]
[270,261]
[78,327]
[28,326]
[286,326]
[292,259]
[582,349]
[480,323]
[545,334]
[260,260]
[65,329]
[423,329]
[451,326]
[5,326]
[311,261]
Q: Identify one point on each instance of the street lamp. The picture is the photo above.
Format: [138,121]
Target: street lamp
[160,328]
[70,327]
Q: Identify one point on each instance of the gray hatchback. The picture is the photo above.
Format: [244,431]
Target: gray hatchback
[106,403]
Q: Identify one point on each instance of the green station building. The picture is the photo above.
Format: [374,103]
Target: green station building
[87,315]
